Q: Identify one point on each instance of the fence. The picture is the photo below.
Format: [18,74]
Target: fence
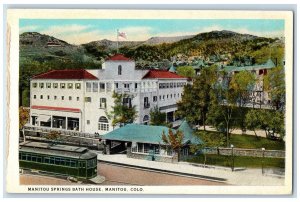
[245,152]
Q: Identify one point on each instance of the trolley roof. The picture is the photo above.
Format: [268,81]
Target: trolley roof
[58,150]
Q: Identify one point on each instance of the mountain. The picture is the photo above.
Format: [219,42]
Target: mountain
[160,40]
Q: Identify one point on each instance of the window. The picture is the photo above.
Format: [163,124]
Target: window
[146,102]
[117,85]
[160,85]
[102,87]
[77,98]
[154,98]
[70,86]
[77,85]
[135,85]
[48,85]
[62,85]
[163,97]
[55,85]
[88,87]
[70,97]
[119,70]
[62,97]
[171,95]
[88,99]
[95,87]
[103,123]
[88,122]
[127,102]
[55,97]
[41,85]
[41,97]
[160,97]
[103,103]
[34,96]
[168,96]
[34,85]
[48,97]
[126,85]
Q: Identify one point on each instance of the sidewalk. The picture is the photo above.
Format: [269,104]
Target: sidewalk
[249,177]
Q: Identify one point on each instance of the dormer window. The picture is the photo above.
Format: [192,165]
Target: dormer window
[119,70]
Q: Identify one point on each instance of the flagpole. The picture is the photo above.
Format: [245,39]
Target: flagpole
[117,40]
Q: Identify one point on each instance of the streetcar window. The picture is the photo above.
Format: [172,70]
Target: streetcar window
[47,160]
[51,160]
[39,159]
[20,156]
[62,162]
[67,161]
[73,163]
[57,161]
[33,158]
[24,157]
[28,157]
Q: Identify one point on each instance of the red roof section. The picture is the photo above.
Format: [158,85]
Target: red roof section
[162,74]
[66,74]
[56,108]
[118,57]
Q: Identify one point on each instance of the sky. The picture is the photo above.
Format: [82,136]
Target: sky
[76,31]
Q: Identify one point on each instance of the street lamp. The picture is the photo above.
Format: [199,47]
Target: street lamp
[262,161]
[232,164]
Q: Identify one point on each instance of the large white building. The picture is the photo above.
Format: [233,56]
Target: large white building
[78,100]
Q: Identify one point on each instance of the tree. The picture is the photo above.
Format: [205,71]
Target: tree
[157,118]
[223,106]
[186,71]
[53,136]
[242,84]
[175,140]
[23,119]
[254,120]
[197,97]
[274,82]
[122,113]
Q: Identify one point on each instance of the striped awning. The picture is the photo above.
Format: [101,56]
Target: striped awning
[44,118]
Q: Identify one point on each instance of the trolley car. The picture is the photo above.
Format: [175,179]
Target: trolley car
[57,159]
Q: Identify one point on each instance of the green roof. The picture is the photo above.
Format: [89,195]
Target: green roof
[268,65]
[189,133]
[138,133]
[150,134]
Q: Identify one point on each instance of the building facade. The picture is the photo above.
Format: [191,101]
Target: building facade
[80,100]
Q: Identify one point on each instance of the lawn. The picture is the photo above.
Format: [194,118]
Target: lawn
[243,141]
[239,161]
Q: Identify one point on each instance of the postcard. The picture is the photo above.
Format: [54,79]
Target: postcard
[149,101]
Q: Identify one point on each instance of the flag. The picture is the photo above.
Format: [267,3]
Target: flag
[122,34]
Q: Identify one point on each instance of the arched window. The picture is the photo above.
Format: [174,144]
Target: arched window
[119,70]
[103,123]
[146,119]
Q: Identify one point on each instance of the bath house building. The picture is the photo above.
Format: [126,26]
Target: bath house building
[80,99]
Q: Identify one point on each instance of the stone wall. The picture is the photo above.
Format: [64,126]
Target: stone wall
[246,152]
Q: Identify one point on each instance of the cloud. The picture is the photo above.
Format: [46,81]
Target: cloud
[29,28]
